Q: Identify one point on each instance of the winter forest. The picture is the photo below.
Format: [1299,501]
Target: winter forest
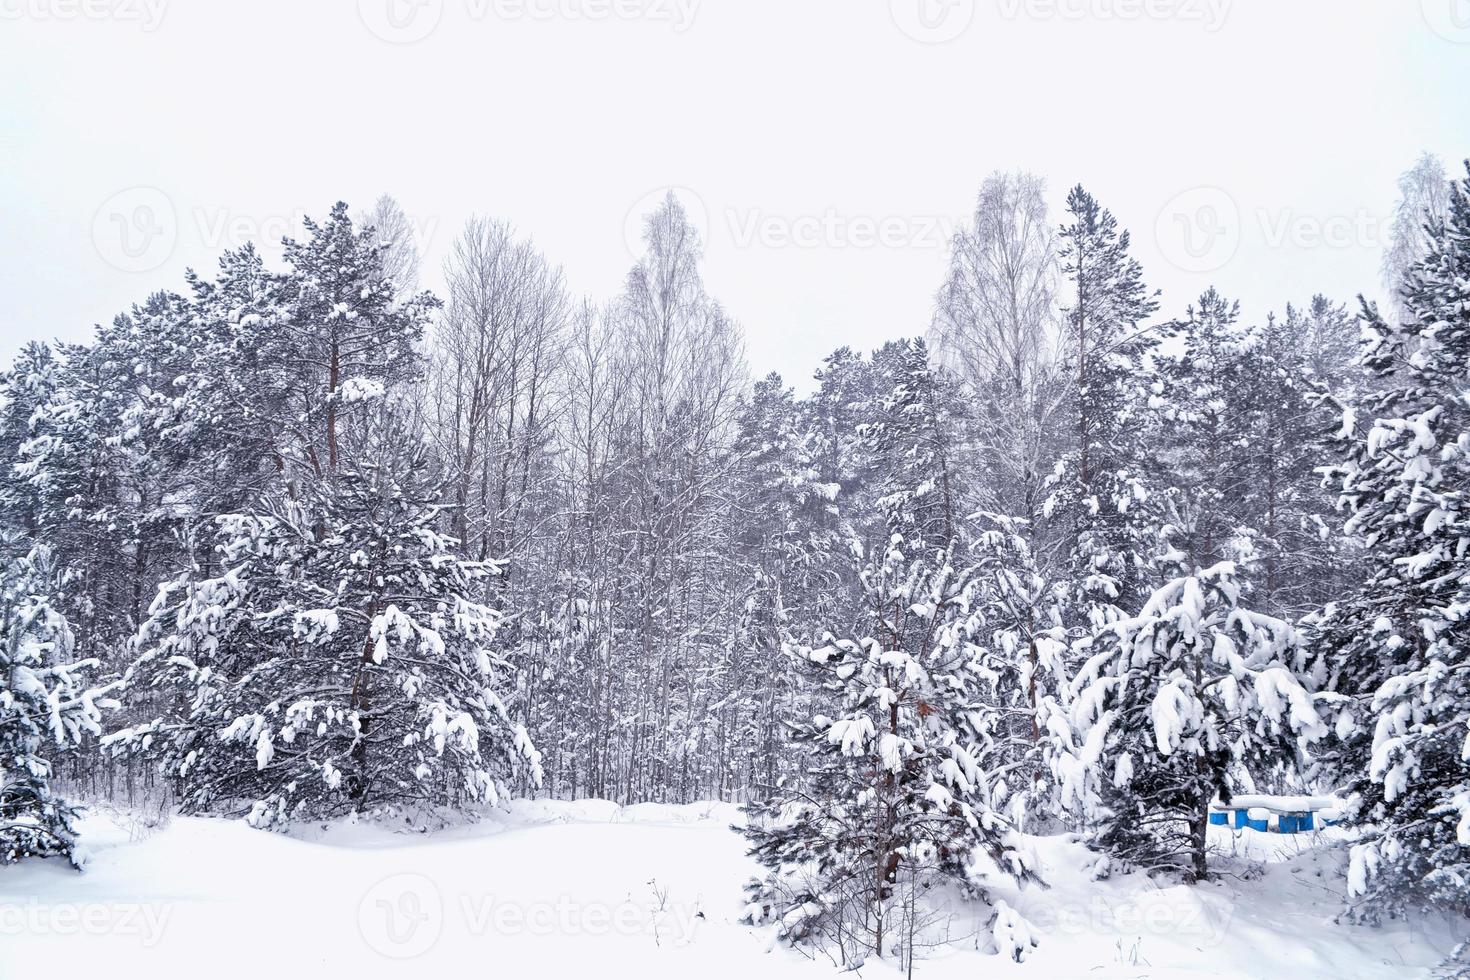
[301,548]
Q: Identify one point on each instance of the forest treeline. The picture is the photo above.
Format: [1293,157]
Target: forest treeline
[299,541]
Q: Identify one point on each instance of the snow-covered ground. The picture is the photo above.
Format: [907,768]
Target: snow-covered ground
[590,889]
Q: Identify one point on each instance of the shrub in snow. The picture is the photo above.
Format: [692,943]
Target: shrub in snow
[1170,709]
[1399,650]
[1013,936]
[898,798]
[340,661]
[44,703]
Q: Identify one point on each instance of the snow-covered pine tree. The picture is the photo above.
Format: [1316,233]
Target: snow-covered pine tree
[1399,649]
[347,332]
[1281,427]
[907,717]
[45,704]
[25,387]
[787,559]
[909,435]
[1099,492]
[339,659]
[833,416]
[1175,706]
[74,469]
[897,795]
[1246,431]
[1016,620]
[1206,442]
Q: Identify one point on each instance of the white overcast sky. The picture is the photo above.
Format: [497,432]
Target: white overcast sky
[827,145]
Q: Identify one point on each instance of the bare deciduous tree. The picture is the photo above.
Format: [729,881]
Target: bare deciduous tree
[1424,197]
[995,327]
[393,228]
[497,351]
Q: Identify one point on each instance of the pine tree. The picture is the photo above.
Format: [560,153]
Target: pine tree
[1208,436]
[897,795]
[833,417]
[348,332]
[1277,439]
[339,662]
[45,705]
[787,561]
[1397,649]
[74,468]
[909,714]
[1175,706]
[24,389]
[909,434]
[1017,618]
[1100,496]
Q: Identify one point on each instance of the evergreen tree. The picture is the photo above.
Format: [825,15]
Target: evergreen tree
[909,434]
[75,469]
[909,714]
[24,389]
[339,662]
[1207,438]
[45,705]
[1397,649]
[790,564]
[1018,623]
[1281,424]
[348,334]
[897,796]
[1100,497]
[1174,707]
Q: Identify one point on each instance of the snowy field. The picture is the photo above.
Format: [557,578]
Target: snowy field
[586,889]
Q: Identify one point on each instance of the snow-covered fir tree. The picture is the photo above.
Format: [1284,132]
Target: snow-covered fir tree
[338,659]
[1176,705]
[1397,648]
[46,705]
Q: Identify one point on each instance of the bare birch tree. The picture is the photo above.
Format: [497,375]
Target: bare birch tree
[995,327]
